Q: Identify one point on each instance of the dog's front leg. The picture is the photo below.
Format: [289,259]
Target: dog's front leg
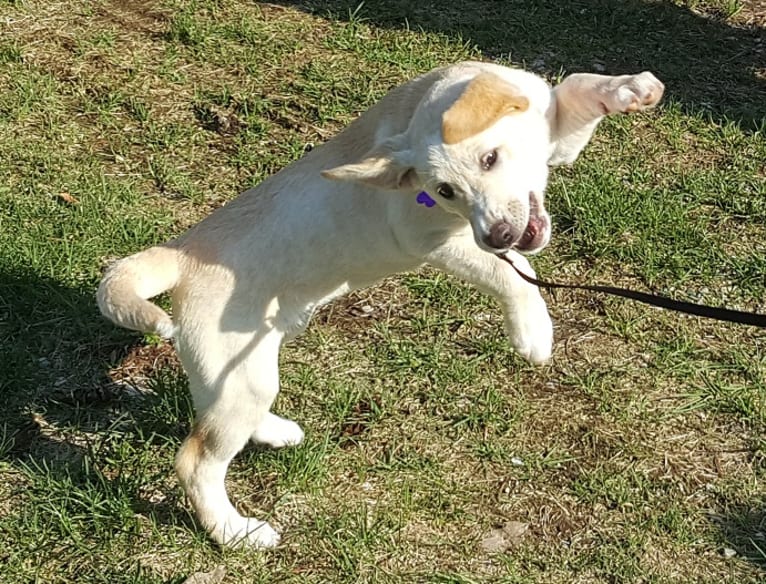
[582,100]
[527,321]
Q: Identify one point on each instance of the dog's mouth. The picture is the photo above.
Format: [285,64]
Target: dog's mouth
[537,231]
[533,238]
[504,235]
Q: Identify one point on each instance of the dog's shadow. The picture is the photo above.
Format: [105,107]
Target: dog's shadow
[70,407]
[743,526]
[707,65]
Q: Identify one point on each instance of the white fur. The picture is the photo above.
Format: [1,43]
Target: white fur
[250,276]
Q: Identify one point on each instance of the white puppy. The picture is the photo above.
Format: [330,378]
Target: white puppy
[449,170]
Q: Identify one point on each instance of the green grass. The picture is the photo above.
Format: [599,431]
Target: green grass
[636,455]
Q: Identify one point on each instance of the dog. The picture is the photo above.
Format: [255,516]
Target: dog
[449,170]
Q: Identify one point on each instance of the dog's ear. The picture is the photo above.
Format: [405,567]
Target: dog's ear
[486,99]
[382,167]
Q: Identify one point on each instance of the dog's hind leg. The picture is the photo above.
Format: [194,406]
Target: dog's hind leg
[277,432]
[232,409]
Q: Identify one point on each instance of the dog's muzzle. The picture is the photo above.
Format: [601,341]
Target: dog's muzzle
[504,235]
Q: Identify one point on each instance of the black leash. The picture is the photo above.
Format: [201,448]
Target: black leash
[749,318]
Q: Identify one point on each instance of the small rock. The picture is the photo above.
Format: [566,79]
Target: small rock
[729,553]
[516,461]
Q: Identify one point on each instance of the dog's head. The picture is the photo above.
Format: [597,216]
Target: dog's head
[479,150]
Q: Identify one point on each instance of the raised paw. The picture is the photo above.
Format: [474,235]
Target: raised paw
[277,432]
[631,93]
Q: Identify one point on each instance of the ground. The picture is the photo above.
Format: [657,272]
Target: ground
[432,453]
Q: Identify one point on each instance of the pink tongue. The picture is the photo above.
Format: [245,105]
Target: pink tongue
[533,228]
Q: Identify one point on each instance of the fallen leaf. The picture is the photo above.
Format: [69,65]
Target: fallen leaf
[67,198]
[515,530]
[213,577]
[494,542]
[505,537]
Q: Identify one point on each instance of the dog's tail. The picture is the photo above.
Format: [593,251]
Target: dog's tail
[128,283]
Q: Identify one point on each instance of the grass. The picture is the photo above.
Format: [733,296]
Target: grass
[636,455]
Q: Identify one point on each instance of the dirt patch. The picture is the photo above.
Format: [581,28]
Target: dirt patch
[141,361]
[135,15]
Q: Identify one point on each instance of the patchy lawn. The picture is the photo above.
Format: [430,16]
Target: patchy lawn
[433,454]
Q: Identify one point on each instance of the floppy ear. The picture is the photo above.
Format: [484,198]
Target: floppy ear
[380,168]
[487,98]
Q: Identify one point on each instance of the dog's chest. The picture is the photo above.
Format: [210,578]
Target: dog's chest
[303,316]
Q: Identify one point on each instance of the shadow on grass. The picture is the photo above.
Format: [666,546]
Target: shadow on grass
[707,65]
[744,529]
[52,338]
[64,419]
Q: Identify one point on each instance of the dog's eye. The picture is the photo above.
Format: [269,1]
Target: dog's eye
[445,190]
[489,159]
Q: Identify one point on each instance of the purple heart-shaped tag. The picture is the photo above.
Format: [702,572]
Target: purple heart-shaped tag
[425,199]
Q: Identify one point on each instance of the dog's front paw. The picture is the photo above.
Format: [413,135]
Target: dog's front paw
[531,332]
[534,340]
[631,93]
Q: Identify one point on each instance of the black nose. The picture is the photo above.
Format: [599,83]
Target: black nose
[501,235]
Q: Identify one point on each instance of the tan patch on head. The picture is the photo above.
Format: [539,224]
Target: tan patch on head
[487,98]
